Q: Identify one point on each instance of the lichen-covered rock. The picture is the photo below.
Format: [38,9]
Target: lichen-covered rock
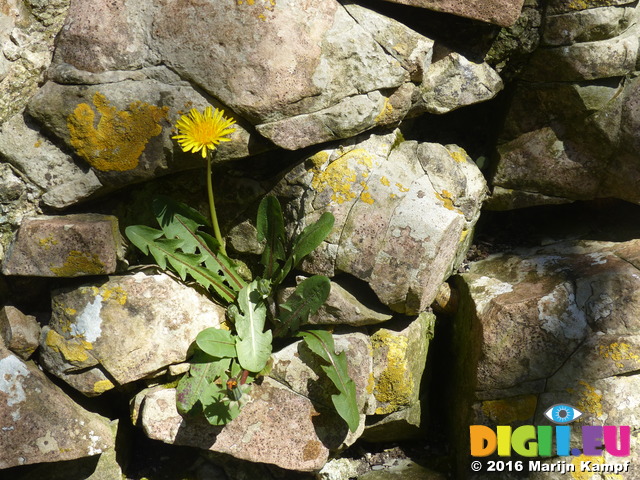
[123,129]
[403,213]
[19,332]
[65,246]
[123,329]
[257,433]
[39,422]
[544,315]
[500,12]
[55,172]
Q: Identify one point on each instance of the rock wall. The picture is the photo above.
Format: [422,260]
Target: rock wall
[410,121]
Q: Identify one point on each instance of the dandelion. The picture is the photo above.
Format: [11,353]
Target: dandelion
[202,132]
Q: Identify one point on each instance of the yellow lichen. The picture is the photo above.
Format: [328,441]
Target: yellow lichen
[585,4]
[341,174]
[79,263]
[447,201]
[70,311]
[102,386]
[115,294]
[73,350]
[458,156]
[385,181]
[386,113]
[587,474]
[119,138]
[589,399]
[618,352]
[401,187]
[394,388]
[47,242]
[510,410]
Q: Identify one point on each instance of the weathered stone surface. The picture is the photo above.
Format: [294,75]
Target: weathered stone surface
[453,82]
[399,358]
[256,434]
[590,130]
[615,57]
[64,246]
[404,469]
[341,308]
[39,422]
[300,370]
[560,308]
[120,327]
[19,332]
[131,140]
[382,191]
[500,12]
[587,25]
[63,181]
[555,7]
[27,34]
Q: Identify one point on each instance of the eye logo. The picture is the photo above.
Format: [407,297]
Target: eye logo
[562,413]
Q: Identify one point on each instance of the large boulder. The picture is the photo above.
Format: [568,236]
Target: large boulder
[404,211]
[122,329]
[40,423]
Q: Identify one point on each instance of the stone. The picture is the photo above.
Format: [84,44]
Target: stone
[453,81]
[587,25]
[339,469]
[381,190]
[614,57]
[65,246]
[143,110]
[340,308]
[556,7]
[42,424]
[404,469]
[28,38]
[500,12]
[27,149]
[399,358]
[114,332]
[20,332]
[256,434]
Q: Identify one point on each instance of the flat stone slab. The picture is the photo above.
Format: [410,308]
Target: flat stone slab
[500,12]
[64,246]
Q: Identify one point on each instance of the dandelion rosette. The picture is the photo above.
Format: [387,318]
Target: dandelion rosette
[203,131]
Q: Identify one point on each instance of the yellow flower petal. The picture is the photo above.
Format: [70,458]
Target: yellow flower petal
[203,131]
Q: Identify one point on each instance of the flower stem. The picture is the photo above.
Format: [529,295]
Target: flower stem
[212,207]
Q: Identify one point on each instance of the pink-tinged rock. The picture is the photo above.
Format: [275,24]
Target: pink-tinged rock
[39,423]
[64,246]
[20,332]
[501,12]
[277,426]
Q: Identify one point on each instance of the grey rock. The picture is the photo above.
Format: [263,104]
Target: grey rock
[587,25]
[556,7]
[120,327]
[381,192]
[40,423]
[20,332]
[65,246]
[56,173]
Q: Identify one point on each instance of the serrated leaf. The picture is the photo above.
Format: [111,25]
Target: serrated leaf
[270,226]
[307,298]
[345,402]
[217,342]
[249,315]
[193,387]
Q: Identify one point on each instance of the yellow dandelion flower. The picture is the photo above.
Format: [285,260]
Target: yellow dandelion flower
[199,132]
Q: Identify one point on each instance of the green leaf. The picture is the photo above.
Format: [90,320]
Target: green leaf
[217,343]
[194,386]
[310,238]
[249,315]
[167,251]
[307,298]
[270,226]
[321,343]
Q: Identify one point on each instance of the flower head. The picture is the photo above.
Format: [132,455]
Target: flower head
[199,132]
